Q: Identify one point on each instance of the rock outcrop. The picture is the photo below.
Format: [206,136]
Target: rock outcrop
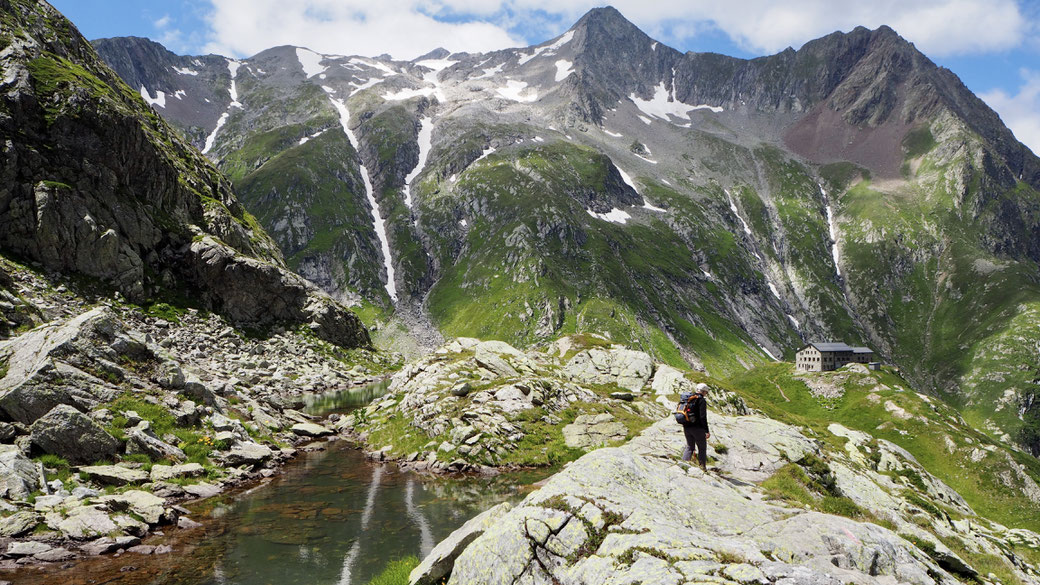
[70,434]
[93,183]
[637,514]
[475,404]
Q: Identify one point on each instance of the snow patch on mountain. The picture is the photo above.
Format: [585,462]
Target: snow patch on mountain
[233,90]
[405,94]
[212,138]
[733,207]
[627,179]
[387,71]
[514,89]
[563,69]
[425,145]
[305,139]
[310,61]
[663,104]
[158,100]
[546,50]
[185,71]
[491,71]
[613,216]
[377,218]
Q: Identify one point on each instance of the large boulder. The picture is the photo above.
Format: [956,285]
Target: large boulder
[668,380]
[146,506]
[19,476]
[67,432]
[439,562]
[86,522]
[588,431]
[141,440]
[626,368]
[116,475]
[246,453]
[46,366]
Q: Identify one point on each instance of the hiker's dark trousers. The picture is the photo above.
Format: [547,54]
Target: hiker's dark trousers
[695,439]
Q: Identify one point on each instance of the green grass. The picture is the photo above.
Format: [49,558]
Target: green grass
[862,407]
[56,467]
[396,572]
[918,141]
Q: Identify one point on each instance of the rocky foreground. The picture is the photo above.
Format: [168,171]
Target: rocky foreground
[113,416]
[635,514]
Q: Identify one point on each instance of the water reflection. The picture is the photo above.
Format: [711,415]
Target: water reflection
[332,518]
[343,401]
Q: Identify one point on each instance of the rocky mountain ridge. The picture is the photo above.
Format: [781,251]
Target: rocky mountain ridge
[730,209]
[789,187]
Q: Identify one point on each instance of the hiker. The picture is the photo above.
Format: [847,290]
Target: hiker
[692,413]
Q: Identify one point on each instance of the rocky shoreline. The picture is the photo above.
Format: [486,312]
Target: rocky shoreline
[117,415]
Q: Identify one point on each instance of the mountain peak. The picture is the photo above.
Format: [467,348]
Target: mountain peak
[606,19]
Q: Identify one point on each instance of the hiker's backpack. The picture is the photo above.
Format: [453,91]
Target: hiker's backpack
[686,412]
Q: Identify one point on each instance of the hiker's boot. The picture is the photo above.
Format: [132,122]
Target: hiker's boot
[704,468]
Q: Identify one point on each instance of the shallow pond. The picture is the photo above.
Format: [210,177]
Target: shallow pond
[332,517]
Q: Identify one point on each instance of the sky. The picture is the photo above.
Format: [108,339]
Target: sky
[992,45]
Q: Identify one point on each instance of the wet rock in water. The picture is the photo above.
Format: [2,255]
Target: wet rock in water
[19,476]
[18,524]
[310,430]
[439,562]
[167,472]
[116,475]
[108,544]
[593,431]
[185,523]
[54,555]
[68,433]
[142,549]
[27,548]
[146,506]
[202,490]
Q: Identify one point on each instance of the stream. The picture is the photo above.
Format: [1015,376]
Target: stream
[331,517]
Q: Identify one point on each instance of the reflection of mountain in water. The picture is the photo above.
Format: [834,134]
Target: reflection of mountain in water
[332,518]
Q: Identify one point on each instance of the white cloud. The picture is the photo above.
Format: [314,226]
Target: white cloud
[408,28]
[938,27]
[163,22]
[1021,112]
[402,28]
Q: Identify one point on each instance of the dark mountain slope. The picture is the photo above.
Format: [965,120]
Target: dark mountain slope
[95,183]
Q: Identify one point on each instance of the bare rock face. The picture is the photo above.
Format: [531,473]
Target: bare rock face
[18,475]
[68,433]
[627,368]
[48,366]
[93,183]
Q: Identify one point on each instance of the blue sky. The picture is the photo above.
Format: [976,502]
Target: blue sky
[993,45]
